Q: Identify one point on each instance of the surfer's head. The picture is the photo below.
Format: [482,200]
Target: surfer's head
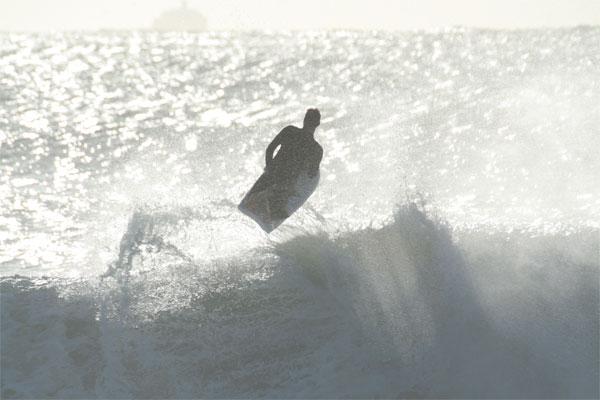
[312,119]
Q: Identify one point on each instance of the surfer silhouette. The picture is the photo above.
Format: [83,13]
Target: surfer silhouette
[298,153]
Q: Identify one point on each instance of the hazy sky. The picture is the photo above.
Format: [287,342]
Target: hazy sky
[300,14]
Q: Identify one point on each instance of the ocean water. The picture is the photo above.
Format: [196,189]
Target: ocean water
[452,248]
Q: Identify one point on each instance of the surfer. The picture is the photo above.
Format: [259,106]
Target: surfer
[298,153]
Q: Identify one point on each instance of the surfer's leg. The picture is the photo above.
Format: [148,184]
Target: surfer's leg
[278,208]
[279,200]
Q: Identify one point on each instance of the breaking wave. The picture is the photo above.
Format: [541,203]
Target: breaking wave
[409,309]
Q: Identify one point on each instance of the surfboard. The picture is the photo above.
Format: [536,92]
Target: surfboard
[260,202]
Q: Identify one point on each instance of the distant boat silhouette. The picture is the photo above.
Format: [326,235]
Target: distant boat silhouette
[180,19]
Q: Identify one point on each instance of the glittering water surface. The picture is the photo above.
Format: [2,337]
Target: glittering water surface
[116,145]
[496,128]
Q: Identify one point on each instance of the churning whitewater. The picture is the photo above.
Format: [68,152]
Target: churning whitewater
[451,248]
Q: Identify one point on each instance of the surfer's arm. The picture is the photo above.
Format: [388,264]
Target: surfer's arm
[271,148]
[313,168]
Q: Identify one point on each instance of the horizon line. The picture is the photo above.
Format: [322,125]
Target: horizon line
[335,29]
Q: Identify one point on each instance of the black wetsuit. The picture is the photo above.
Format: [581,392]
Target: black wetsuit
[299,152]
